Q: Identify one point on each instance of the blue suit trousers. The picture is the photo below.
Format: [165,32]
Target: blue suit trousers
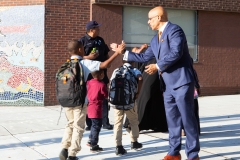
[179,107]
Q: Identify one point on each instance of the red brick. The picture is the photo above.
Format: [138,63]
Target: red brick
[64,21]
[210,5]
[218,41]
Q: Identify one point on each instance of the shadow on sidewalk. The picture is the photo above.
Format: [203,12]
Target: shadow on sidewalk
[47,141]
[144,152]
[220,118]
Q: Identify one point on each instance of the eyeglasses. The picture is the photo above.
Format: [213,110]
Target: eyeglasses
[152,17]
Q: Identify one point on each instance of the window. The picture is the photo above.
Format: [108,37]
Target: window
[137,32]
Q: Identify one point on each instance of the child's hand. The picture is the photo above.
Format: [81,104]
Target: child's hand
[138,50]
[135,49]
[114,46]
[144,46]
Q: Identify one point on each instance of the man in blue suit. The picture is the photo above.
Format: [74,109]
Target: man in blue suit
[174,63]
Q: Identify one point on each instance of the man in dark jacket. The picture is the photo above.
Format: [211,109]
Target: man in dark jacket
[96,49]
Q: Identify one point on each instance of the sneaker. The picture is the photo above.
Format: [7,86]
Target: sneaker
[72,158]
[120,150]
[63,154]
[87,128]
[109,127]
[136,145]
[96,148]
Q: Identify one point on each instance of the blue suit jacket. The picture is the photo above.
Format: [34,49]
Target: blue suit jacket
[172,56]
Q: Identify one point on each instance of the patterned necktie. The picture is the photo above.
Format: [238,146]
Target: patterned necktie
[159,35]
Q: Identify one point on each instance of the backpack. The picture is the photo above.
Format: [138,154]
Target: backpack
[123,88]
[70,85]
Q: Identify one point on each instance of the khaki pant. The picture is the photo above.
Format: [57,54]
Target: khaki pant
[73,133]
[132,115]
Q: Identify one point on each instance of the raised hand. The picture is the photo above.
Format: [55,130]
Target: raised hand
[114,46]
[138,50]
[120,49]
[143,47]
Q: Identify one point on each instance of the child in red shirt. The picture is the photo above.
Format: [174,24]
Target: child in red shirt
[96,93]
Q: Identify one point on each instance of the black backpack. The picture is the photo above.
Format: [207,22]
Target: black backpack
[70,85]
[122,89]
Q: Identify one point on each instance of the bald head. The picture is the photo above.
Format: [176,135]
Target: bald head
[159,10]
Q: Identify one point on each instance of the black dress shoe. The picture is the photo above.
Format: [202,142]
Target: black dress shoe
[109,127]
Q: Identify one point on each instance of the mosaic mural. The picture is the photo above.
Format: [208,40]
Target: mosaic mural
[22,55]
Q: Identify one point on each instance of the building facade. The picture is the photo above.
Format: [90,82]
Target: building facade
[34,35]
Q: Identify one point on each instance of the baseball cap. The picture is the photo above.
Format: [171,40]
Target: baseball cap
[92,24]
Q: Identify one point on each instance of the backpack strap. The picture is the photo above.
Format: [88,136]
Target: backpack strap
[82,80]
[132,74]
[129,70]
[81,73]
[117,70]
[62,68]
[81,70]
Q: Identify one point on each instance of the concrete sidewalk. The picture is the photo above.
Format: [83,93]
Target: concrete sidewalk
[32,133]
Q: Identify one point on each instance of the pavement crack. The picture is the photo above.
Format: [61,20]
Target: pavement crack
[225,158]
[23,142]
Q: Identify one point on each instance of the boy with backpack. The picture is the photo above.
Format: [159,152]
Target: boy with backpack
[71,92]
[124,88]
[96,93]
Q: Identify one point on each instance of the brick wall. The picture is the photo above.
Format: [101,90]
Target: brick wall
[219,52]
[21,2]
[64,20]
[111,30]
[219,49]
[210,5]
[218,65]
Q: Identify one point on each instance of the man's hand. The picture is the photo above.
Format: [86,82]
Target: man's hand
[151,69]
[115,46]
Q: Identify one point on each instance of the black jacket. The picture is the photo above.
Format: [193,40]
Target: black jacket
[89,43]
